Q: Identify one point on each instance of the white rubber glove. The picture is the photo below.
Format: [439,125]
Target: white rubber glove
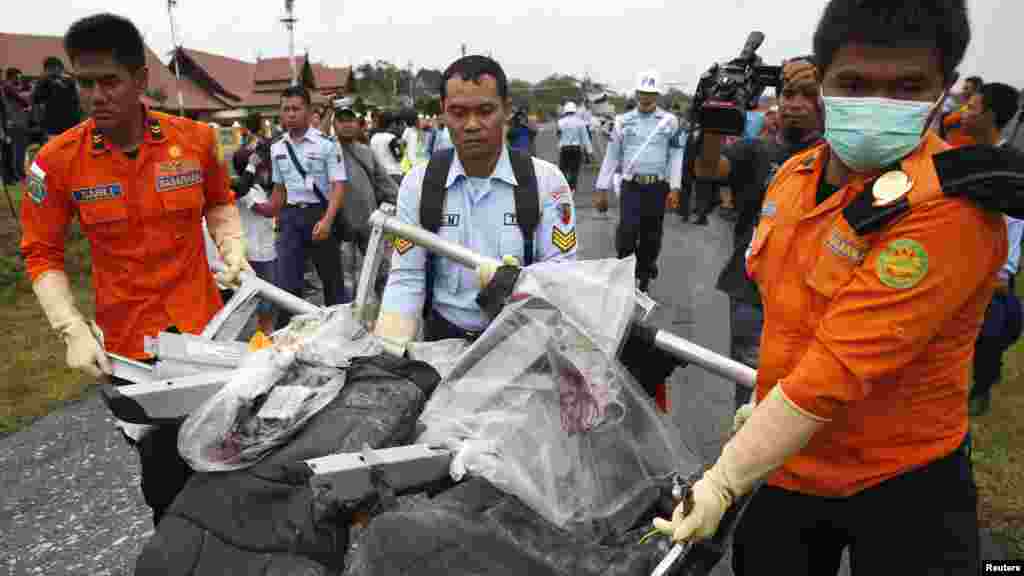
[395,331]
[485,272]
[742,415]
[776,430]
[225,227]
[84,351]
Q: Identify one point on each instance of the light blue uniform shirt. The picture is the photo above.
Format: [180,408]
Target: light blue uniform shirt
[1014,232]
[320,158]
[478,213]
[572,131]
[662,157]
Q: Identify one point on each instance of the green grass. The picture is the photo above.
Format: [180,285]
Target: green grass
[33,377]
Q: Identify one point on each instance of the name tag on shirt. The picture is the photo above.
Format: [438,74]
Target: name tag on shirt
[510,219]
[451,220]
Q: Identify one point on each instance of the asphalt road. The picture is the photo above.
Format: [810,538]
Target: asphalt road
[71,502]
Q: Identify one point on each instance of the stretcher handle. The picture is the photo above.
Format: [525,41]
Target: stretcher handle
[278,296]
[680,348]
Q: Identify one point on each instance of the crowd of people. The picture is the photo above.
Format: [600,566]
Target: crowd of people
[863,313]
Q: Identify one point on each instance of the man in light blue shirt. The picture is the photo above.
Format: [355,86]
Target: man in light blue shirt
[989,111]
[647,147]
[573,143]
[309,187]
[479,212]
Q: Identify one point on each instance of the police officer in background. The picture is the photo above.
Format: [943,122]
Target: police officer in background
[988,112]
[309,189]
[573,143]
[748,166]
[648,149]
[479,212]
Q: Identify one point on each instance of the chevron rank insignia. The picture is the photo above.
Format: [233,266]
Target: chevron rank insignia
[564,241]
[403,245]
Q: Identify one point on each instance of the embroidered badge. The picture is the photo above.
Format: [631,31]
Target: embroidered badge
[510,219]
[37,183]
[559,193]
[566,212]
[175,174]
[402,245]
[845,248]
[564,241]
[97,193]
[450,220]
[902,264]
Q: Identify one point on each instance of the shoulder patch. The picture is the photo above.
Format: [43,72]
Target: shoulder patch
[902,264]
[564,241]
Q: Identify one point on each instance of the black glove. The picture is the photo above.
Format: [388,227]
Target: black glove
[496,294]
[647,364]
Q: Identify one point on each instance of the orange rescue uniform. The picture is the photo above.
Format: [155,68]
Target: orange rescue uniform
[953,127]
[143,219]
[874,333]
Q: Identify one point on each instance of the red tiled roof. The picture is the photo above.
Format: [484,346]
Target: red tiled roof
[27,52]
[331,79]
[235,76]
[276,69]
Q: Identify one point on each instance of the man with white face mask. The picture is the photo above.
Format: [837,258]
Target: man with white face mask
[874,287]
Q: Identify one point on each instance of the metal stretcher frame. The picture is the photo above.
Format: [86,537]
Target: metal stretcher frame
[383,221]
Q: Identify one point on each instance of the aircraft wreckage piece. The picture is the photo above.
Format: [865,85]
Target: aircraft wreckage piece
[681,348]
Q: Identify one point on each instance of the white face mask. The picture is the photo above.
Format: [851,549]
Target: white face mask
[871,133]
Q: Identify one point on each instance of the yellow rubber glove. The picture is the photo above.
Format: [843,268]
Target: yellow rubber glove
[742,415]
[485,272]
[84,351]
[225,227]
[776,430]
[395,331]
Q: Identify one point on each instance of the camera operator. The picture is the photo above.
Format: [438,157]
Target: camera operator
[748,166]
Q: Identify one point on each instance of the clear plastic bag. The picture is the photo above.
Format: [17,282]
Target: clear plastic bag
[274,392]
[541,408]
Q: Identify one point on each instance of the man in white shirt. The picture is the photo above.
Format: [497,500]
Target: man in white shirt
[387,147]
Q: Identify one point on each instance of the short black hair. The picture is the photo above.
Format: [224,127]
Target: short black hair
[107,33]
[904,24]
[297,91]
[976,80]
[472,68]
[1003,100]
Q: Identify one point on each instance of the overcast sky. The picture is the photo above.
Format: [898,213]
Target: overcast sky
[611,41]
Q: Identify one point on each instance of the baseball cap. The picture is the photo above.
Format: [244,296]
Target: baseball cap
[344,105]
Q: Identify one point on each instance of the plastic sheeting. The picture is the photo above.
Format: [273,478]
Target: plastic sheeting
[275,392]
[540,407]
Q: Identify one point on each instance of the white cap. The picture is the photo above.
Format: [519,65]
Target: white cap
[649,81]
[570,108]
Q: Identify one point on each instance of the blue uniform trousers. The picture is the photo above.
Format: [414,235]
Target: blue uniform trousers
[1002,327]
[641,220]
[295,243]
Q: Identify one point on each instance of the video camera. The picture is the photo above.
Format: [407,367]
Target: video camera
[726,91]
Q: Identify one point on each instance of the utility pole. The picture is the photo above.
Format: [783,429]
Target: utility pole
[289,22]
[171,4]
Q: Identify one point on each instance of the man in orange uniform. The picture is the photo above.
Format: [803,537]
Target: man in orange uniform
[952,127]
[140,184]
[874,287]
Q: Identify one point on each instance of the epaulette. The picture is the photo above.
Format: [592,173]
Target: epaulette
[991,176]
[869,211]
